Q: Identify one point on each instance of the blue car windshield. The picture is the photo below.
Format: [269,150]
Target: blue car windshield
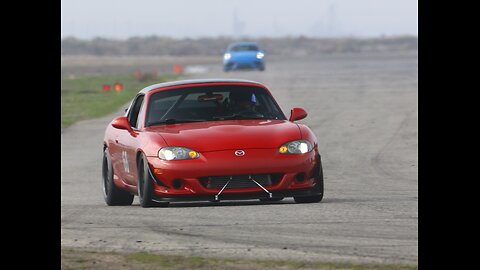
[244,48]
[211,103]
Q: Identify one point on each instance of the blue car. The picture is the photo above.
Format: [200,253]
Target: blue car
[243,55]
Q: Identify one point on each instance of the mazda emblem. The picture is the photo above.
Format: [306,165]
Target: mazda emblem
[239,153]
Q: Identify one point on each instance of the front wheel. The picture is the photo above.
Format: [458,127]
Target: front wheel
[145,183]
[112,194]
[318,174]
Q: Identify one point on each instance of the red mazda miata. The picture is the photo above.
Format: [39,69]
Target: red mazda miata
[209,140]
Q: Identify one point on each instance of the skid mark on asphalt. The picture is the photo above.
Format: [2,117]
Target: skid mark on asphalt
[245,235]
[377,161]
[362,217]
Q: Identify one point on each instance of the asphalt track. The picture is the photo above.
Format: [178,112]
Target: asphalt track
[364,111]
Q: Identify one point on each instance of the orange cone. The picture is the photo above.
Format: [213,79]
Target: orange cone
[177,69]
[117,86]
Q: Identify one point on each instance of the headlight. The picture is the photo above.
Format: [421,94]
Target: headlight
[260,55]
[296,147]
[177,153]
[227,56]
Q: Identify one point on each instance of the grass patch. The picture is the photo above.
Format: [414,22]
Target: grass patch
[81,259]
[176,262]
[82,97]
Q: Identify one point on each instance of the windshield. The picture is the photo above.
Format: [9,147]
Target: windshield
[243,48]
[211,103]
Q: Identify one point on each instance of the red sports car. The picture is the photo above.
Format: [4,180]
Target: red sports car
[209,140]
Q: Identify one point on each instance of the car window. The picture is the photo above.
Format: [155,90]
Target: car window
[141,116]
[135,109]
[158,108]
[244,48]
[211,103]
[191,101]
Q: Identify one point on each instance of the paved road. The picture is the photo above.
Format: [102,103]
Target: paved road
[364,112]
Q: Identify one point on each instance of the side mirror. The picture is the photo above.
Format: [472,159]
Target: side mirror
[297,114]
[121,122]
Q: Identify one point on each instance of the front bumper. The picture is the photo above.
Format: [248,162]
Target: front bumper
[296,175]
[240,196]
[232,65]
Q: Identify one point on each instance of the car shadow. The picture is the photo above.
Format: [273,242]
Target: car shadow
[223,203]
[286,201]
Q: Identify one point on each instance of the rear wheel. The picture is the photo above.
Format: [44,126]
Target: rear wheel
[318,174]
[111,193]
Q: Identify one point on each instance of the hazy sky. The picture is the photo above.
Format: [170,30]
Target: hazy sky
[122,19]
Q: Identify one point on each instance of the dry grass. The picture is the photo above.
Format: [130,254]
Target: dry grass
[132,61]
[82,259]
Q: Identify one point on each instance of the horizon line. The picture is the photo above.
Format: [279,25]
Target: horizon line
[381,36]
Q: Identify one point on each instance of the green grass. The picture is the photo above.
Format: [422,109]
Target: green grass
[84,259]
[82,97]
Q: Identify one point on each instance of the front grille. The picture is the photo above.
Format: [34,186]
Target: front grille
[244,66]
[240,181]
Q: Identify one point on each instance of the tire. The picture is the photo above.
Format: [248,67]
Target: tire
[112,194]
[271,199]
[318,187]
[145,183]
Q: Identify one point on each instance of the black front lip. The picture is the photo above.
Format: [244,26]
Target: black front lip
[242,196]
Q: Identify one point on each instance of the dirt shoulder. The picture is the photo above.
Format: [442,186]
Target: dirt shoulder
[88,259]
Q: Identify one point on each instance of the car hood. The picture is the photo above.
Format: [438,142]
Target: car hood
[230,134]
[248,55]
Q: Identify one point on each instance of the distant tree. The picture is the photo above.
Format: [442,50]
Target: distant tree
[154,45]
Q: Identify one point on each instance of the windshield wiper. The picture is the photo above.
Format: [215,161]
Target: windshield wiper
[175,121]
[240,116]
